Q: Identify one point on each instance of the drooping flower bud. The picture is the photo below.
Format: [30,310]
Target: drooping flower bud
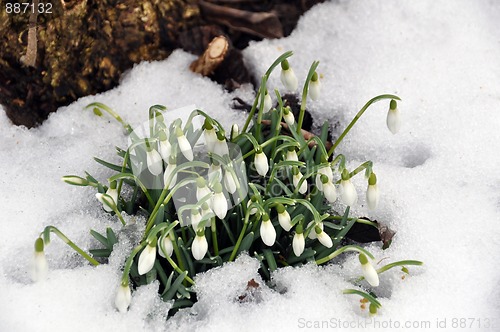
[168,171]
[153,160]
[288,116]
[369,271]
[253,210]
[195,219]
[284,217]
[165,246]
[268,102]
[111,192]
[347,190]
[291,154]
[288,77]
[219,202]
[267,231]
[215,172]
[325,170]
[220,145]
[123,298]
[199,247]
[147,258]
[164,147]
[184,144]
[372,193]
[393,117]
[202,189]
[323,237]
[75,180]
[210,135]
[261,163]
[328,189]
[298,242]
[40,266]
[312,234]
[297,176]
[314,87]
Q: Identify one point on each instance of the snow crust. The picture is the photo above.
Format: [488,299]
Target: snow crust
[439,178]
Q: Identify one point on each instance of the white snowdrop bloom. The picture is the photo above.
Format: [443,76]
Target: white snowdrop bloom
[314,87]
[219,202]
[369,271]
[288,77]
[168,171]
[329,191]
[288,116]
[327,171]
[297,176]
[123,298]
[195,219]
[206,213]
[214,173]
[298,243]
[154,161]
[111,192]
[312,234]
[220,147]
[291,155]
[393,117]
[348,192]
[372,193]
[261,163]
[40,267]
[254,209]
[284,218]
[106,200]
[229,182]
[168,246]
[199,247]
[165,149]
[268,103]
[323,237]
[202,189]
[184,144]
[147,258]
[210,136]
[267,231]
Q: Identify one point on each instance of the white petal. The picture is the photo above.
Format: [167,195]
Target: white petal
[229,183]
[296,179]
[40,267]
[154,162]
[298,244]
[372,196]
[292,155]
[214,173]
[289,118]
[315,89]
[202,192]
[261,163]
[268,103]
[199,247]
[113,193]
[348,192]
[123,298]
[219,205]
[330,191]
[267,233]
[195,219]
[370,274]
[210,139]
[324,239]
[146,259]
[185,147]
[170,168]
[221,148]
[167,245]
[289,79]
[285,221]
[312,233]
[394,120]
[253,210]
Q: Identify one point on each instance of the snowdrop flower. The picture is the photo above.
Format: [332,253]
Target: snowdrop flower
[325,170]
[254,209]
[267,231]
[298,242]
[123,298]
[165,246]
[369,271]
[268,102]
[288,116]
[210,135]
[291,154]
[168,171]
[40,267]
[215,173]
[147,258]
[328,189]
[235,131]
[219,202]
[314,87]
[184,144]
[107,201]
[284,218]
[202,189]
[195,219]
[393,117]
[164,147]
[372,193]
[75,180]
[312,234]
[229,182]
[297,176]
[323,238]
[206,213]
[154,160]
[261,163]
[111,192]
[199,247]
[348,192]
[288,77]
[220,145]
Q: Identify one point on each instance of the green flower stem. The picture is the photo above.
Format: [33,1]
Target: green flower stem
[358,220]
[130,260]
[261,95]
[52,229]
[115,210]
[113,114]
[356,118]
[206,116]
[178,255]
[367,165]
[215,243]
[179,270]
[341,250]
[304,95]
[339,159]
[266,75]
[364,295]
[242,235]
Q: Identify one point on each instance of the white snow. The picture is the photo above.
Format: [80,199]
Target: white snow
[439,178]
